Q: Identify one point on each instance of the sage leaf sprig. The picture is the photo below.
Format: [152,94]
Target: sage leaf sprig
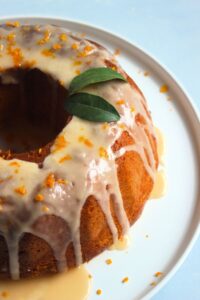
[92,108]
[92,76]
[88,106]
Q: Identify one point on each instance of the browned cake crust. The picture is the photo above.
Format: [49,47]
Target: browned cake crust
[35,255]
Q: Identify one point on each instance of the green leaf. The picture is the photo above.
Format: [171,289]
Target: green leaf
[91,107]
[91,76]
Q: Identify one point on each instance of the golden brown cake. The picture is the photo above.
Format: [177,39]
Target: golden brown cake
[69,188]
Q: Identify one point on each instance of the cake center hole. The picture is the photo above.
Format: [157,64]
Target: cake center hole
[31,110]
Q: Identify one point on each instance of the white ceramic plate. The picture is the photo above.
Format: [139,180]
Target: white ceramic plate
[171,223]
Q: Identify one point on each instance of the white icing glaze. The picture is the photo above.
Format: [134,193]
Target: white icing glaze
[62,287]
[78,160]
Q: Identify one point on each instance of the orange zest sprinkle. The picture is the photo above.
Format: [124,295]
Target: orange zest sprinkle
[13,24]
[132,108]
[74,46]
[45,39]
[108,261]
[63,37]
[60,142]
[114,68]
[56,46]
[158,274]
[50,180]
[99,292]
[17,55]
[48,53]
[45,208]
[120,102]
[122,126]
[37,28]
[77,63]
[11,37]
[64,158]
[4,294]
[125,279]
[103,153]
[21,190]
[62,82]
[39,197]
[61,181]
[164,88]
[146,73]
[85,141]
[105,126]
[29,63]
[7,178]
[117,51]
[78,72]
[14,164]
[1,205]
[88,48]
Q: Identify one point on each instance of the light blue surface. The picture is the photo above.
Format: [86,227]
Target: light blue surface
[170,30]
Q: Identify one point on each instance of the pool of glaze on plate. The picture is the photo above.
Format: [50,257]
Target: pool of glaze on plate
[72,285]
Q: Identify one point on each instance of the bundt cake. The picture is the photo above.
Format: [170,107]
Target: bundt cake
[69,187]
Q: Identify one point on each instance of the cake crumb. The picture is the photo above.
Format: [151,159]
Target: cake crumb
[153,283]
[99,292]
[158,274]
[108,261]
[147,236]
[125,279]
[164,88]
[89,276]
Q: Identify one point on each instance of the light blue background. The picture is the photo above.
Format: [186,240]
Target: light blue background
[170,30]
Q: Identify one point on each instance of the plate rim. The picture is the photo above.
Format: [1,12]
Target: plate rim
[171,76]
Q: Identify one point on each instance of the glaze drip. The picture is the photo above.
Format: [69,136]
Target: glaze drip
[75,169]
